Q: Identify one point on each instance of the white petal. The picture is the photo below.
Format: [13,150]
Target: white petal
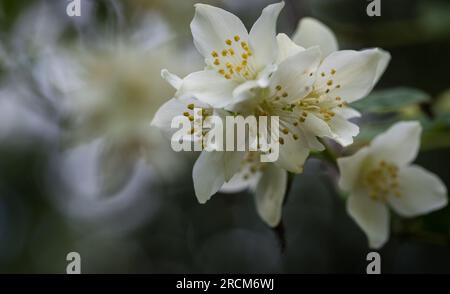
[286,47]
[350,169]
[355,76]
[343,130]
[269,194]
[371,216]
[244,91]
[293,154]
[294,76]
[165,114]
[311,32]
[421,192]
[347,112]
[241,181]
[311,140]
[172,79]
[208,174]
[383,61]
[211,26]
[232,162]
[172,108]
[399,144]
[263,36]
[209,87]
[317,126]
[237,184]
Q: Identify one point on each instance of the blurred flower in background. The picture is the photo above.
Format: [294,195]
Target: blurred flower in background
[110,89]
[24,111]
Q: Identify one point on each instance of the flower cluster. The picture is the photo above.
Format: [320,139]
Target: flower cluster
[305,81]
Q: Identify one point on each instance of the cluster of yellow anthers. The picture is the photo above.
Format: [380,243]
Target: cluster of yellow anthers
[251,165]
[203,114]
[330,82]
[382,181]
[232,61]
[317,101]
[320,104]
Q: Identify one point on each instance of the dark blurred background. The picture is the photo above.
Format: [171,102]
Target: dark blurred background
[50,205]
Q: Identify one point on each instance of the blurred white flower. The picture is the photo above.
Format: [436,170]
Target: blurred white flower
[381,176]
[236,60]
[20,121]
[25,115]
[75,191]
[111,89]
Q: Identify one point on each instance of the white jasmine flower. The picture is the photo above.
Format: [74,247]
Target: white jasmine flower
[236,60]
[310,32]
[381,176]
[311,97]
[316,85]
[311,90]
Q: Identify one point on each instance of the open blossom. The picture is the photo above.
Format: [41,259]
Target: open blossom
[311,93]
[311,90]
[236,60]
[381,176]
[336,78]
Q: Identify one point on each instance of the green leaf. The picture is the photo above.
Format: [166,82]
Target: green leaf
[391,100]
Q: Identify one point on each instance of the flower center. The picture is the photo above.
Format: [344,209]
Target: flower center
[294,113]
[382,181]
[319,101]
[232,62]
